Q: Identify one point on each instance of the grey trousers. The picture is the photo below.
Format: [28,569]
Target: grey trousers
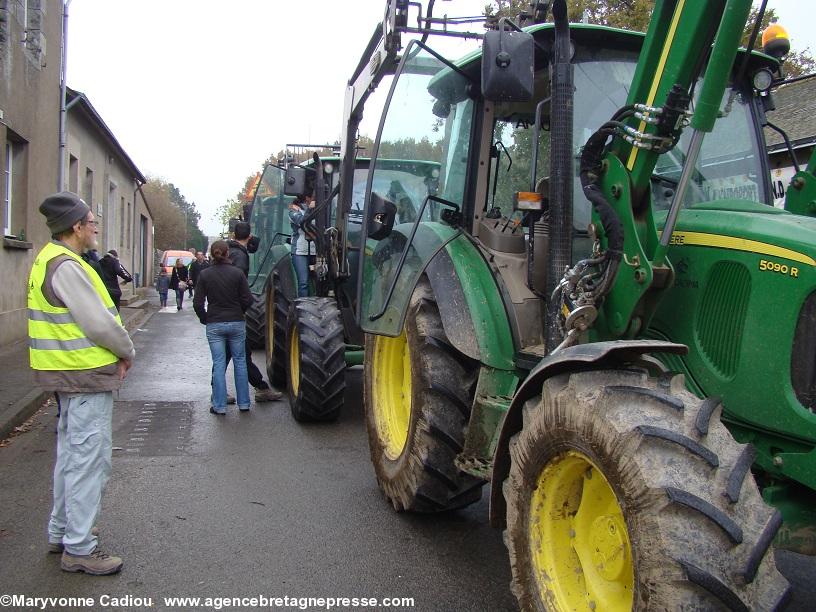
[82,468]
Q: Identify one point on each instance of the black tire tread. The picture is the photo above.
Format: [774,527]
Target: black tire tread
[322,383]
[276,357]
[256,322]
[690,445]
[737,476]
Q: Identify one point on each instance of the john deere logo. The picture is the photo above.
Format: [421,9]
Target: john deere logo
[682,266]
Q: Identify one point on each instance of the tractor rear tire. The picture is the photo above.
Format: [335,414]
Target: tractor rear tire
[277,315]
[626,492]
[317,360]
[418,391]
[256,322]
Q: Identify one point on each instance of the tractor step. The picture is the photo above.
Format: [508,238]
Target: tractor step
[486,417]
[474,467]
[529,358]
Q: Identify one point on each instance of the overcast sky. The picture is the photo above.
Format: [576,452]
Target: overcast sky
[200,92]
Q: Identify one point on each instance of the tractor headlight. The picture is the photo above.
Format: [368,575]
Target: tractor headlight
[763,78]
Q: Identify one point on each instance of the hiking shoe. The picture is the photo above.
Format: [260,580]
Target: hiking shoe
[96,564]
[267,395]
[59,547]
[230,399]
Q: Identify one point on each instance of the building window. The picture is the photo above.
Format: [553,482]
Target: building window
[8,173]
[13,189]
[129,228]
[110,222]
[87,189]
[73,174]
[122,223]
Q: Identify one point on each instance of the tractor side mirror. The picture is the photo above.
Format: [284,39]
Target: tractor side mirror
[295,182]
[381,215]
[507,66]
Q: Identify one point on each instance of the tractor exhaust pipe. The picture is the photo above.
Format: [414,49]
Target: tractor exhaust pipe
[561,168]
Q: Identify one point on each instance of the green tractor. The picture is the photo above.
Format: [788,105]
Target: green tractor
[309,342]
[595,310]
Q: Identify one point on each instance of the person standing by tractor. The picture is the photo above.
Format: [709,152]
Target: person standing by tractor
[227,295]
[239,256]
[302,242]
[112,271]
[178,281]
[78,349]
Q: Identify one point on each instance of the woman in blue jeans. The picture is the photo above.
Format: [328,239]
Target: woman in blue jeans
[225,289]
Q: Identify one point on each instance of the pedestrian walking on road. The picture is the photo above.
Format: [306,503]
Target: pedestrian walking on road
[226,292]
[196,266]
[178,282]
[162,286]
[112,271]
[78,349]
[239,250]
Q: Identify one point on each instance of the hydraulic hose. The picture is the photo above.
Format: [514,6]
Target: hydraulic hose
[591,158]
[560,256]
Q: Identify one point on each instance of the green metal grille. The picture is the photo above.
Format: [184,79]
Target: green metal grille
[721,315]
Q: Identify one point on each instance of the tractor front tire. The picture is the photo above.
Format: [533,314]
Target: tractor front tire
[317,360]
[277,315]
[626,492]
[418,391]
[256,322]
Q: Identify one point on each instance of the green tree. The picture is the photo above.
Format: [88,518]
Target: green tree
[175,220]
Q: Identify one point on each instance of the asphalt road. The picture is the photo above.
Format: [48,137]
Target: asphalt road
[250,504]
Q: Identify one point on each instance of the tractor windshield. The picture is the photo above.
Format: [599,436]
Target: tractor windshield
[729,166]
[270,223]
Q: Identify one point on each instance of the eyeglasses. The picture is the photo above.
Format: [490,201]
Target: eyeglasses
[90,223]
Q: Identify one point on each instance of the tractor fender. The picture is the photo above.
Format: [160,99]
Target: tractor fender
[592,356]
[470,304]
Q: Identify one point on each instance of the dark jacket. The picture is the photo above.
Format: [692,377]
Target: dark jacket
[239,256]
[179,274]
[112,271]
[196,268]
[92,259]
[226,291]
[162,283]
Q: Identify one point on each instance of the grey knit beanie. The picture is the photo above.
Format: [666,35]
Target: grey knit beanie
[62,210]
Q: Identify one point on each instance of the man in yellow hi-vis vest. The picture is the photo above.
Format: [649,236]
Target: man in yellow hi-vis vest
[79,349]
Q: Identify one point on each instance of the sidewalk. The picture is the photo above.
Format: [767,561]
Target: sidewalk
[19,398]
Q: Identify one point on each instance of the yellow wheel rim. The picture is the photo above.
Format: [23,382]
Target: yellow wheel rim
[578,538]
[294,360]
[391,390]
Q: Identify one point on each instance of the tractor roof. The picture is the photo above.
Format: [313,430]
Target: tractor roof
[585,34]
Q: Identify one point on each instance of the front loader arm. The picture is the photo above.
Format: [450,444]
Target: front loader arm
[678,49]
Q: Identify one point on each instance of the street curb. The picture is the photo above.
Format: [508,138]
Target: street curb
[22,410]
[34,399]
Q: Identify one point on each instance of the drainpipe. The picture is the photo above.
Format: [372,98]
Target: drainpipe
[63,108]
